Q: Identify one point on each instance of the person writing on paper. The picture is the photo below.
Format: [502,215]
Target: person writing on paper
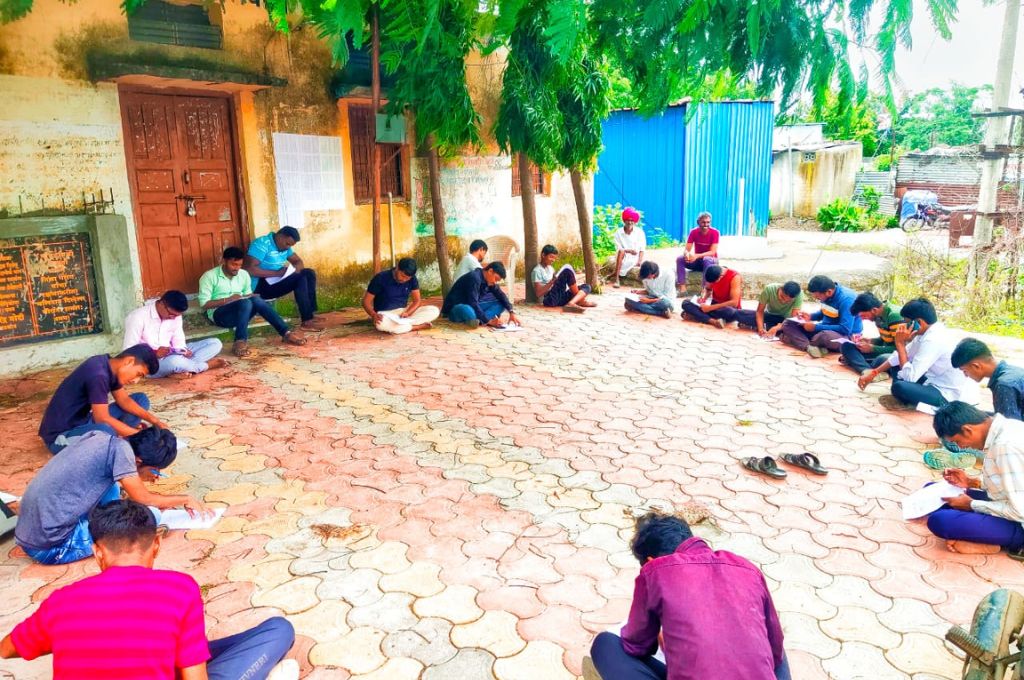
[392,300]
[79,404]
[476,299]
[276,270]
[701,250]
[630,244]
[722,298]
[558,290]
[991,509]
[658,296]
[821,332]
[134,622]
[94,469]
[777,302]
[975,359]
[921,367]
[158,324]
[471,260]
[225,294]
[710,611]
[863,355]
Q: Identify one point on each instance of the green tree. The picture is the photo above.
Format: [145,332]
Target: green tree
[940,116]
[857,121]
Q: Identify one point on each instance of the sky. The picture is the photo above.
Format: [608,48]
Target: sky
[969,58]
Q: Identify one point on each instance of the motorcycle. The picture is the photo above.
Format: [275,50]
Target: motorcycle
[921,209]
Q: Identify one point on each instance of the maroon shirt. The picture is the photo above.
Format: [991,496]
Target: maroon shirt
[715,613]
[702,242]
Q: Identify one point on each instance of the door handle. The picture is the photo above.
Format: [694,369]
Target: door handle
[191,197]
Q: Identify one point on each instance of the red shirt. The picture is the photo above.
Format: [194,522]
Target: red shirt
[714,611]
[125,623]
[702,242]
[720,288]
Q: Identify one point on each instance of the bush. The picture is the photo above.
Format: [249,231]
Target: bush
[841,215]
[883,163]
[608,219]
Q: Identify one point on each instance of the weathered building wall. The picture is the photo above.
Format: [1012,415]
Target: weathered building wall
[804,179]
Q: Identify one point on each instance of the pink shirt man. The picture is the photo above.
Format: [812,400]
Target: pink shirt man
[144,325]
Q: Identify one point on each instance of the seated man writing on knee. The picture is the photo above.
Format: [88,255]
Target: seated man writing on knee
[134,622]
[476,298]
[863,354]
[658,296]
[820,332]
[991,509]
[558,290]
[225,294]
[53,525]
[158,324]
[722,298]
[709,610]
[392,300]
[80,403]
[277,270]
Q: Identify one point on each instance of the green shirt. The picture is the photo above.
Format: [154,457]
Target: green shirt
[216,285]
[887,323]
[773,305]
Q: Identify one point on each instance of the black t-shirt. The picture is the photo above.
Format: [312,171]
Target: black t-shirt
[388,293]
[90,383]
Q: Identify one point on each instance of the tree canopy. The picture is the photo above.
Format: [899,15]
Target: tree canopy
[940,117]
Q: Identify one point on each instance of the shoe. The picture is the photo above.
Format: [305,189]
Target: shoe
[893,404]
[473,323]
[589,671]
[286,670]
[718,323]
[817,352]
[667,313]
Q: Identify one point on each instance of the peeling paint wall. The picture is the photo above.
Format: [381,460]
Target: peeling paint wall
[806,179]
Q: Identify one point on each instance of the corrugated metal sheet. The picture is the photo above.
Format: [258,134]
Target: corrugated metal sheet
[672,168]
[938,169]
[882,182]
[729,164]
[642,165]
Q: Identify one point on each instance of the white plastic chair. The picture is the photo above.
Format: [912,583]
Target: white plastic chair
[505,250]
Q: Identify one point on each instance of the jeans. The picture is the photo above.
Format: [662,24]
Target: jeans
[653,308]
[251,654]
[915,393]
[748,319]
[78,545]
[116,412]
[726,314]
[857,361]
[698,265]
[237,315]
[613,663]
[302,283]
[794,335]
[202,352]
[963,525]
[465,314]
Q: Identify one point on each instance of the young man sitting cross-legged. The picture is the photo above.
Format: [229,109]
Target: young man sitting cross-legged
[709,610]
[658,295]
[134,622]
[558,290]
[721,299]
[393,302]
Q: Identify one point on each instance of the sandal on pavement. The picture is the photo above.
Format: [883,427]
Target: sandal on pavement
[1016,554]
[293,338]
[573,309]
[806,460]
[940,459]
[765,466]
[240,349]
[891,403]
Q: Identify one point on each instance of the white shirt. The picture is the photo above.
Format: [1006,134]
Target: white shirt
[466,265]
[144,326]
[663,287]
[1003,470]
[928,356]
[636,240]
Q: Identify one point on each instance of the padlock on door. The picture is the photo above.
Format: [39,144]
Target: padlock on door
[190,207]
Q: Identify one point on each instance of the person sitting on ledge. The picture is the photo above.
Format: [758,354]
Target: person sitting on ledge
[658,296]
[558,290]
[158,324]
[701,251]
[709,610]
[225,294]
[393,303]
[53,525]
[476,298]
[630,244]
[80,405]
[991,509]
[134,622]
[724,288]
[974,358]
[271,258]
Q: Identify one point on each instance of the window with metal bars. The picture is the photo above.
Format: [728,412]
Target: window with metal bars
[539,180]
[170,24]
[360,133]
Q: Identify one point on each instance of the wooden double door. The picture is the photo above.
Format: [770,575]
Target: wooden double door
[181,167]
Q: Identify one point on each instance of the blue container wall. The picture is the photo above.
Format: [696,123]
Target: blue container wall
[642,166]
[729,151]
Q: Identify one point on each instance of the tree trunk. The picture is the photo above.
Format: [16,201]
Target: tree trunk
[586,228]
[375,99]
[529,221]
[440,235]
[996,132]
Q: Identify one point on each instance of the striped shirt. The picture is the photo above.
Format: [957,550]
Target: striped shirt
[1003,470]
[125,623]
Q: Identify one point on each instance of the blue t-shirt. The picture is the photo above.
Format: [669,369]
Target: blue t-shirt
[90,383]
[265,252]
[388,293]
[69,486]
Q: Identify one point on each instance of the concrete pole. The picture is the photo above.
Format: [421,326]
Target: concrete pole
[996,130]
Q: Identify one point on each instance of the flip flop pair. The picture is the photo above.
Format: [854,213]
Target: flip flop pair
[767,466]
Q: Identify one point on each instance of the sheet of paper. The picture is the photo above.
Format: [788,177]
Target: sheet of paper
[633,296]
[507,328]
[179,519]
[278,279]
[395,318]
[927,409]
[842,341]
[9,497]
[929,499]
[617,630]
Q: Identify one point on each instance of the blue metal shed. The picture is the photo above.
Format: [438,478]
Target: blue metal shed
[712,156]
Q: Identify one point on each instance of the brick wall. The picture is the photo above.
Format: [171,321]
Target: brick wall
[959,194]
